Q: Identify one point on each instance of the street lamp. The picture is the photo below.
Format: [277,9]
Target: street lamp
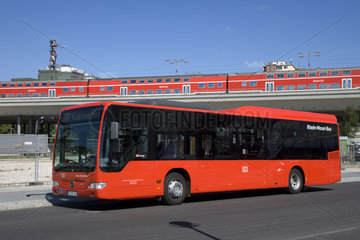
[176,61]
[309,54]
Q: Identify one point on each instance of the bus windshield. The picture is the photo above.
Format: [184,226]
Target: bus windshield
[77,140]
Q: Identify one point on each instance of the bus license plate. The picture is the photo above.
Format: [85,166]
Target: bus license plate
[72,193]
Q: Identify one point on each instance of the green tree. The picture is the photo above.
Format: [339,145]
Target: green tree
[349,122]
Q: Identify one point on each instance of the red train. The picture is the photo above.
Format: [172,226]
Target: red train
[297,80]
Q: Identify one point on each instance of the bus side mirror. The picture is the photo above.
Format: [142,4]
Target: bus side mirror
[114,130]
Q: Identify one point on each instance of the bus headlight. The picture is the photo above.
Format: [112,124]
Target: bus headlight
[56,184]
[99,185]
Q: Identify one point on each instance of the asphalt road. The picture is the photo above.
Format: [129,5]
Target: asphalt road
[330,212]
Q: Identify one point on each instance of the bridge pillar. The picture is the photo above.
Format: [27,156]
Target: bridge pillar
[18,124]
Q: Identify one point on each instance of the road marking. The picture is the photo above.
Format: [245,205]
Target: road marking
[327,233]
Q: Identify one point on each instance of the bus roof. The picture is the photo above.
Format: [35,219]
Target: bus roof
[248,111]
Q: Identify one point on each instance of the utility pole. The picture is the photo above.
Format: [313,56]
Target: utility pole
[309,54]
[176,61]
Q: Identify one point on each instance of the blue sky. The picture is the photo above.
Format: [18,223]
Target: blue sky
[133,38]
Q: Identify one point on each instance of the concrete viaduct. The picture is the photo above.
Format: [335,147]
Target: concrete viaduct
[27,112]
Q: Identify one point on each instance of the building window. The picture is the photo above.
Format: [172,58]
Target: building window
[65,89]
[167,80]
[102,88]
[291,75]
[280,75]
[19,95]
[312,86]
[211,85]
[132,92]
[167,91]
[334,73]
[177,80]
[301,74]
[302,87]
[346,72]
[43,94]
[177,91]
[290,87]
[150,80]
[158,91]
[133,81]
[244,84]
[270,76]
[323,86]
[335,85]
[150,92]
[220,85]
[72,89]
[141,92]
[323,74]
[253,83]
[124,81]
[109,88]
[159,80]
[201,85]
[280,88]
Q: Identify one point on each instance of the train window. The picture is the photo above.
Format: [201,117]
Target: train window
[312,74]
[253,83]
[142,81]
[12,85]
[322,74]
[3,95]
[334,73]
[211,85]
[323,86]
[201,85]
[270,76]
[335,85]
[301,87]
[36,84]
[20,85]
[81,89]
[109,88]
[280,88]
[43,94]
[244,84]
[291,75]
[346,72]
[219,84]
[102,88]
[159,80]
[312,86]
[280,75]
[51,84]
[27,95]
[132,92]
[177,79]
[4,85]
[177,91]
[167,91]
[44,84]
[167,79]
[150,80]
[27,84]
[301,74]
[186,80]
[72,89]
[11,95]
[290,87]
[19,95]
[35,94]
[158,91]
[65,89]
[141,92]
[124,81]
[149,91]
[133,81]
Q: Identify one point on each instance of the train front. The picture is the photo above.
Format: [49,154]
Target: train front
[75,152]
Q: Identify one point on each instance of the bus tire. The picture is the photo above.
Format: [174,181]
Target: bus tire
[296,182]
[175,189]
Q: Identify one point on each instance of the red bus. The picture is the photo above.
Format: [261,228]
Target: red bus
[113,150]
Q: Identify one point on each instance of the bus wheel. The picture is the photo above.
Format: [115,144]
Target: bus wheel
[295,181]
[175,189]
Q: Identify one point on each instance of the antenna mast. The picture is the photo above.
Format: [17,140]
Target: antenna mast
[53,55]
